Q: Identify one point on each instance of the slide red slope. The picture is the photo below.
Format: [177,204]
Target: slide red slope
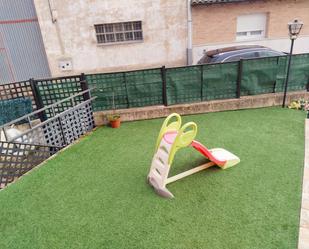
[205,152]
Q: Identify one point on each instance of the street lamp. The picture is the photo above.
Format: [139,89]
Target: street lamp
[294,30]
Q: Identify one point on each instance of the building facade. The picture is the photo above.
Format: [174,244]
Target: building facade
[105,36]
[219,24]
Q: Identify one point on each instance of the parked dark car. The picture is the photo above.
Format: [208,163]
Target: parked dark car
[236,53]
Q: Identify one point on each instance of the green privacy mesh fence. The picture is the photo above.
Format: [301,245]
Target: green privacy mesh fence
[220,81]
[267,75]
[183,85]
[108,88]
[144,88]
[202,82]
[198,83]
[281,74]
[170,86]
[14,108]
[126,89]
[259,76]
[299,76]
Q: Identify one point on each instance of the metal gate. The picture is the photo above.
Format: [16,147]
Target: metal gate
[22,52]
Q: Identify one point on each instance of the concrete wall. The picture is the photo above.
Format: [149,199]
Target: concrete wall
[214,26]
[72,37]
[246,102]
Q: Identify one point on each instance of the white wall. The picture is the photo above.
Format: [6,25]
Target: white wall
[72,36]
[301,45]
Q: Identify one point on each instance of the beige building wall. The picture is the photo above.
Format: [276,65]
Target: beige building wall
[71,37]
[215,25]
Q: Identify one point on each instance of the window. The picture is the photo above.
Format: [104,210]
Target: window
[269,53]
[246,55]
[119,32]
[251,27]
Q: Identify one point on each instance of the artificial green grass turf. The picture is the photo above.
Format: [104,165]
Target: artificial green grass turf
[95,195]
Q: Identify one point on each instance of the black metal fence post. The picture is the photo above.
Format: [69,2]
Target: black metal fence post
[164,93]
[202,78]
[288,73]
[239,77]
[37,99]
[84,86]
[275,83]
[126,87]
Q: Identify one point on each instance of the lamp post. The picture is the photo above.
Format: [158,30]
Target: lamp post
[294,30]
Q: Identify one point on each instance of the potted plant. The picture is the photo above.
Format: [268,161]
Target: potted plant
[114,119]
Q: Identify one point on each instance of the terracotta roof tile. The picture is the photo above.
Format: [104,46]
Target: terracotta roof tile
[194,2]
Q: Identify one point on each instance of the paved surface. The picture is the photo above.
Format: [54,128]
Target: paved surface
[304,216]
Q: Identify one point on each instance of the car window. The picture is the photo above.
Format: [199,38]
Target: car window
[245,55]
[205,59]
[269,53]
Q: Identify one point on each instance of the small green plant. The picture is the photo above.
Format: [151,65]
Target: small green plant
[299,104]
[113,117]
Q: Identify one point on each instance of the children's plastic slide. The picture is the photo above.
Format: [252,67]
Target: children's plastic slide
[171,138]
[220,157]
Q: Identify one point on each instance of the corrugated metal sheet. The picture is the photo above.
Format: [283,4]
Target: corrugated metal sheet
[21,45]
[6,76]
[193,2]
[16,9]
[26,51]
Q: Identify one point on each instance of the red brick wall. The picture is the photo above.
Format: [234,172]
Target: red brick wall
[217,23]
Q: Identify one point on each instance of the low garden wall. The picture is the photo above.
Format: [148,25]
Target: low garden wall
[247,102]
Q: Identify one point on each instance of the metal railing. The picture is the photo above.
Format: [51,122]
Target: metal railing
[26,149]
